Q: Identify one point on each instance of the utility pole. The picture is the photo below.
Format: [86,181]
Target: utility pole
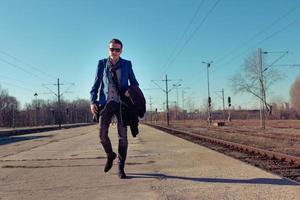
[165,111]
[183,100]
[167,97]
[156,115]
[222,97]
[58,101]
[59,95]
[209,120]
[36,108]
[260,78]
[176,86]
[223,104]
[150,98]
[283,53]
[263,101]
[183,105]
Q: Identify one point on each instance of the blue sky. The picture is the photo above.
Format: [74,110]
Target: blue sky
[65,39]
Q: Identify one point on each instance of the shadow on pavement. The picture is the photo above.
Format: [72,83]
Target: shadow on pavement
[14,139]
[270,181]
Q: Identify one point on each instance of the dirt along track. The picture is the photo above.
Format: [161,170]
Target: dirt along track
[275,138]
[272,153]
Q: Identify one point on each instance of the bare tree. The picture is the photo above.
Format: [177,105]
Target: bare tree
[41,112]
[248,81]
[295,94]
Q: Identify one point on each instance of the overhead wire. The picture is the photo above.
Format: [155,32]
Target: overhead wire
[13,79]
[18,86]
[26,64]
[193,34]
[290,11]
[194,17]
[23,69]
[219,61]
[262,41]
[26,71]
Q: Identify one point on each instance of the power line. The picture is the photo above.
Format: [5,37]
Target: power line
[13,79]
[262,41]
[18,86]
[67,90]
[290,11]
[277,59]
[184,33]
[24,70]
[58,95]
[192,34]
[25,63]
[167,95]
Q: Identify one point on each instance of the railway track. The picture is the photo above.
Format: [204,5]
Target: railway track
[249,132]
[285,144]
[278,163]
[264,135]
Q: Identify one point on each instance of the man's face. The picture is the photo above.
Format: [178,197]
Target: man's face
[114,51]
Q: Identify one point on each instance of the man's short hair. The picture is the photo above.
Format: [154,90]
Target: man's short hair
[116,41]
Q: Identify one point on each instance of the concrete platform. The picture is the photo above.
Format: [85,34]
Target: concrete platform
[68,164]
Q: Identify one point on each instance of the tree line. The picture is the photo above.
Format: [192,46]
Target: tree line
[280,111]
[42,112]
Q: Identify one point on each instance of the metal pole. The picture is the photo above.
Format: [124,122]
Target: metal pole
[177,100]
[150,109]
[167,96]
[208,99]
[59,110]
[260,73]
[156,117]
[223,104]
[176,117]
[165,111]
[183,105]
[36,118]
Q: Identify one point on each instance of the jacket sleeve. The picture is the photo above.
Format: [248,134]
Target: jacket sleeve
[98,80]
[132,78]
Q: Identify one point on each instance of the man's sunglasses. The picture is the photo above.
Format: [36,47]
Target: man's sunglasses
[114,49]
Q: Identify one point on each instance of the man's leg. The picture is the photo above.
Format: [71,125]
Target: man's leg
[104,139]
[123,145]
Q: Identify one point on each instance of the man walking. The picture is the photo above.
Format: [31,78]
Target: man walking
[111,83]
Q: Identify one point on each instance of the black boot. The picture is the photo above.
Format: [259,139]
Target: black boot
[109,162]
[122,174]
[122,157]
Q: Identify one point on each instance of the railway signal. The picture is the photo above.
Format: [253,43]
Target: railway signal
[229,105]
[209,101]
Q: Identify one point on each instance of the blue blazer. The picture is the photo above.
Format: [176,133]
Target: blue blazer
[101,80]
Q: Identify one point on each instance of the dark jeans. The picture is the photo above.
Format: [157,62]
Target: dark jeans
[111,109]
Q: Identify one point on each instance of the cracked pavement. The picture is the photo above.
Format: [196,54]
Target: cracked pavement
[68,164]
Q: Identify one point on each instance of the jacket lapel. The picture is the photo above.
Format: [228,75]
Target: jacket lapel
[122,67]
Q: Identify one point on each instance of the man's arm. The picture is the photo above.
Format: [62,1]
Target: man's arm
[95,88]
[98,80]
